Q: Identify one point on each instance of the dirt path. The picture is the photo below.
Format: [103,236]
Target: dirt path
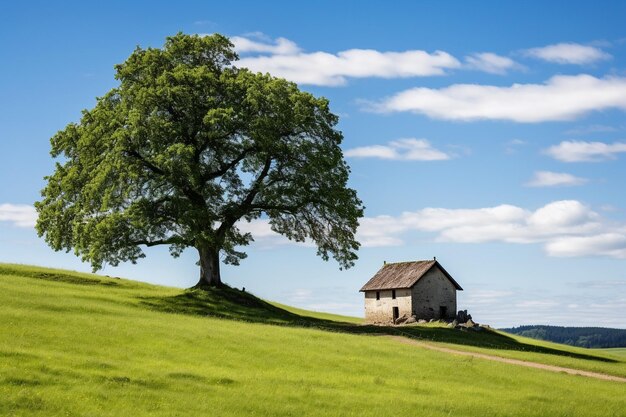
[536,365]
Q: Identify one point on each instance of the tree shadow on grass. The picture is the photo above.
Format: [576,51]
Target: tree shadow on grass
[232,304]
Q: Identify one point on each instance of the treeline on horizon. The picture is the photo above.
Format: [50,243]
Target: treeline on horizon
[588,337]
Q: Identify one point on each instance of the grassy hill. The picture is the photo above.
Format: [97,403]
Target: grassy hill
[78,344]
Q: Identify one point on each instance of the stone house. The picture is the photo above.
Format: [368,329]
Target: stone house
[422,289]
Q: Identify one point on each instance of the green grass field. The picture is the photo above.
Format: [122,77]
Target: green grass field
[83,345]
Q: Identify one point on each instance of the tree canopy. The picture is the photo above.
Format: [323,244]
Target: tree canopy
[187,147]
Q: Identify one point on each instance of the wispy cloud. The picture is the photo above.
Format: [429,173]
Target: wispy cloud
[409,149]
[283,58]
[20,215]
[536,304]
[512,146]
[604,284]
[478,296]
[568,53]
[581,151]
[584,130]
[563,97]
[300,295]
[490,63]
[555,179]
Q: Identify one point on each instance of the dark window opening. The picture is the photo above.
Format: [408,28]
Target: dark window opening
[396,314]
[443,311]
[393,294]
[378,295]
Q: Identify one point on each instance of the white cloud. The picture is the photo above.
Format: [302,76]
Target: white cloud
[280,46]
[326,69]
[581,151]
[283,58]
[563,97]
[490,63]
[564,213]
[568,53]
[555,179]
[409,149]
[564,228]
[20,215]
[606,244]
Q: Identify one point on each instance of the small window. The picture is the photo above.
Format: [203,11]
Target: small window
[378,295]
[393,294]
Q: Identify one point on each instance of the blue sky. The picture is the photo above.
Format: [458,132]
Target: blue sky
[490,135]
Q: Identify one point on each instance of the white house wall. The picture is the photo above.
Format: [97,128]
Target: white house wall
[432,291]
[381,311]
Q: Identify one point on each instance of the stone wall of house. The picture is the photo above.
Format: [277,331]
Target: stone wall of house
[381,311]
[431,292]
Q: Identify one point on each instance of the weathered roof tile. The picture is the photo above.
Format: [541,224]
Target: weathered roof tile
[403,275]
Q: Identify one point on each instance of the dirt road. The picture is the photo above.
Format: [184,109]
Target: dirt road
[536,365]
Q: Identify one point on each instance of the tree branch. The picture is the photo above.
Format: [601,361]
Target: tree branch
[203,147]
[235,213]
[193,195]
[279,207]
[227,167]
[168,241]
[145,162]
[256,186]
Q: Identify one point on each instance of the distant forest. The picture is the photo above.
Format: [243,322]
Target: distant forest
[588,337]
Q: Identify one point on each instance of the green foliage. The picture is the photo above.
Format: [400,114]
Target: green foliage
[185,148]
[99,350]
[588,337]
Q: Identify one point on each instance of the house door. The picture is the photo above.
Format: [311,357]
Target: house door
[396,314]
[443,312]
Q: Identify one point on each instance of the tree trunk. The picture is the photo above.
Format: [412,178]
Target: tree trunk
[209,268]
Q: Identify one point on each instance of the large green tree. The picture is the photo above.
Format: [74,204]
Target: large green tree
[188,147]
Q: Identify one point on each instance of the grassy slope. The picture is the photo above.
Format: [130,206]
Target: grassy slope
[618,353]
[75,344]
[599,360]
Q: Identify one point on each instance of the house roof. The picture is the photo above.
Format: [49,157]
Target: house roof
[403,275]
